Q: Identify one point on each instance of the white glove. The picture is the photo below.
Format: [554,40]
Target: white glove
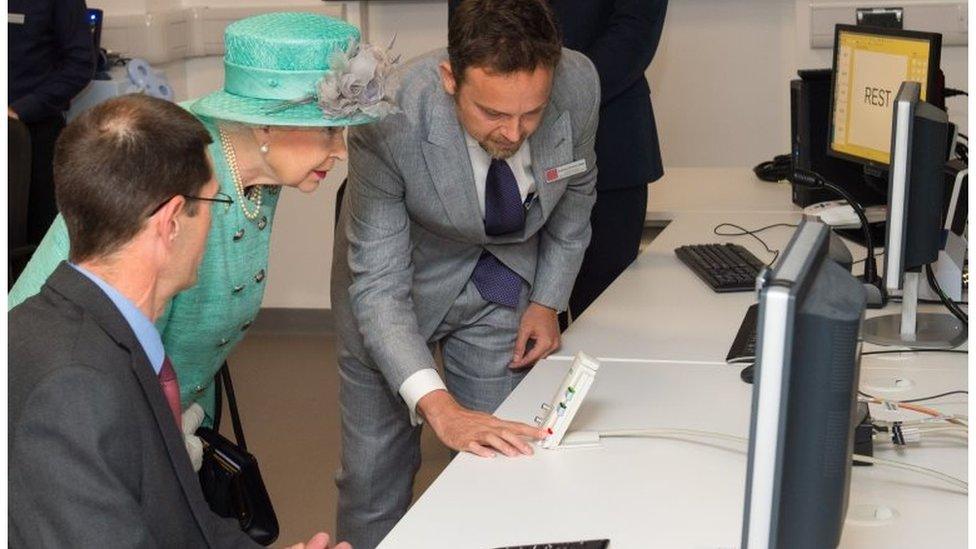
[192,418]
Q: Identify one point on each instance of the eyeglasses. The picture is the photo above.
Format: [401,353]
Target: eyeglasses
[219,198]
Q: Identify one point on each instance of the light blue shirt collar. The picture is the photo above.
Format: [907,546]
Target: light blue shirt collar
[145,331]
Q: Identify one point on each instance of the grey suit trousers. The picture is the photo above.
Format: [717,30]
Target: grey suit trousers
[380,448]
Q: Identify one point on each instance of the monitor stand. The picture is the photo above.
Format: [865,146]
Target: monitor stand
[913,329]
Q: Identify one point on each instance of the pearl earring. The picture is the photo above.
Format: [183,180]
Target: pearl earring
[264,148]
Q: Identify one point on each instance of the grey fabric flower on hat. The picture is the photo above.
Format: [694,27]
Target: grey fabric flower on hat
[358,81]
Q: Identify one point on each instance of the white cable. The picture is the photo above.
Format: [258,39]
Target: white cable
[958,419]
[912,435]
[922,423]
[956,428]
[636,433]
[915,468]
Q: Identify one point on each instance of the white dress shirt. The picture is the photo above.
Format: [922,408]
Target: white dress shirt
[427,380]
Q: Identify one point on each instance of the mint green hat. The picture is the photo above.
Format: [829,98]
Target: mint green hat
[299,69]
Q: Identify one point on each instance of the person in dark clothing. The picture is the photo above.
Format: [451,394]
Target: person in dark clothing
[620,37]
[50,59]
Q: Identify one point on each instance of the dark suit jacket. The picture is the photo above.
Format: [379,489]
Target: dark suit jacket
[96,459]
[620,37]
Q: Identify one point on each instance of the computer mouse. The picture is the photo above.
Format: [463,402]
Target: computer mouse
[747,373]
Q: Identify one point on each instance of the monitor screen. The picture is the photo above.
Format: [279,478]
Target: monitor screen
[869,66]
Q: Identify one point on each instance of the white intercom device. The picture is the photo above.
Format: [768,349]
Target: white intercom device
[559,412]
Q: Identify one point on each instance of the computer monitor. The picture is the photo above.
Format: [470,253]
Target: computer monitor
[804,399]
[916,193]
[869,66]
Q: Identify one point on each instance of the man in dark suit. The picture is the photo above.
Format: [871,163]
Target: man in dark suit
[96,458]
[50,58]
[620,37]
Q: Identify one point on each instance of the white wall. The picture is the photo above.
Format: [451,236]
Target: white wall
[719,84]
[954,63]
[719,81]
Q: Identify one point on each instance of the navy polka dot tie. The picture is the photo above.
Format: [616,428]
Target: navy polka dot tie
[504,214]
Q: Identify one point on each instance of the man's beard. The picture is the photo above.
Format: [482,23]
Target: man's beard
[499,153]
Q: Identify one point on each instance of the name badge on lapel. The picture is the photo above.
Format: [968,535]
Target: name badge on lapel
[16,18]
[566,170]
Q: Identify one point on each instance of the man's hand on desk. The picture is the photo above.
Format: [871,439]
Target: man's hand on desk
[476,432]
[540,325]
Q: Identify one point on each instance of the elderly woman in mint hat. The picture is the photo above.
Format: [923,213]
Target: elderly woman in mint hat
[292,83]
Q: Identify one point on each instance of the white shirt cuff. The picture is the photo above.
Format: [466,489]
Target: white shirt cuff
[416,387]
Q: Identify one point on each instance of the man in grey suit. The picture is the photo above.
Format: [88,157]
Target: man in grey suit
[463,227]
[96,458]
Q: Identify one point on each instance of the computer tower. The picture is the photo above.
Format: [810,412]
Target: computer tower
[810,113]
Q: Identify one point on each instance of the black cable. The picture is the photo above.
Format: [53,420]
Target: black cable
[812,179]
[752,233]
[952,92]
[962,151]
[775,170]
[951,305]
[964,136]
[865,259]
[919,399]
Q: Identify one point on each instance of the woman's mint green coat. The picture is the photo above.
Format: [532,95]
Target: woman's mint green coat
[202,324]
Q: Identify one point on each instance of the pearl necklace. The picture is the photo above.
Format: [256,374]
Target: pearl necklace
[235,173]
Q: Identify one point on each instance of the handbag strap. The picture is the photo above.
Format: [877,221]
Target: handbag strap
[235,417]
[218,410]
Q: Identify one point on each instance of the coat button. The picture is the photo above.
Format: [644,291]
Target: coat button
[263,222]
[222,342]
[246,326]
[259,276]
[238,235]
[198,389]
[237,289]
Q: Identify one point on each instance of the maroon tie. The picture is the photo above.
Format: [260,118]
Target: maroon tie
[171,388]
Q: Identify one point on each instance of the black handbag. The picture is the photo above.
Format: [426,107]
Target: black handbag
[230,477]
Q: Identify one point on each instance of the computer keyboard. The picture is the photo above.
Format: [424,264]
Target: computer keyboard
[743,348]
[588,544]
[724,267]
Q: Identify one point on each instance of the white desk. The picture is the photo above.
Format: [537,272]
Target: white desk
[664,336]
[661,492]
[659,310]
[703,190]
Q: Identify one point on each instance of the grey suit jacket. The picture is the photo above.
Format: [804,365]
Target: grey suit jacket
[411,231]
[96,459]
